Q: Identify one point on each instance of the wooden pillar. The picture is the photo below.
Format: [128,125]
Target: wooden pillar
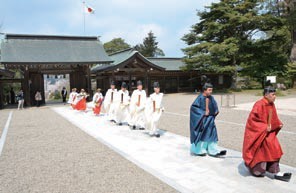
[1,96]
[148,87]
[88,82]
[78,79]
[97,82]
[178,83]
[42,90]
[26,87]
[130,81]
[164,84]
[37,84]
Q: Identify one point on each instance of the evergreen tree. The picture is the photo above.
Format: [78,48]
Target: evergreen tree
[116,44]
[234,34]
[291,73]
[149,47]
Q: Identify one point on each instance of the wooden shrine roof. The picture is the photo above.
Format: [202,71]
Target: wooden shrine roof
[52,49]
[170,64]
[125,59]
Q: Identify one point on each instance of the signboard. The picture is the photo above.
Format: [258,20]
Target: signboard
[271,78]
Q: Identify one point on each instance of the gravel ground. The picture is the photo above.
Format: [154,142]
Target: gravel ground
[46,153]
[230,122]
[3,119]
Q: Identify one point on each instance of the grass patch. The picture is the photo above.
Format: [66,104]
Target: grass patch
[279,93]
[255,92]
[222,91]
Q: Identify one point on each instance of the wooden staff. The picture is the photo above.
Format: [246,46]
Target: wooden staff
[154,106]
[121,97]
[139,99]
[269,118]
[112,97]
[207,104]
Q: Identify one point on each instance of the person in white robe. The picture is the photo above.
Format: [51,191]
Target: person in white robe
[72,97]
[109,102]
[97,96]
[80,101]
[122,101]
[97,102]
[153,111]
[137,107]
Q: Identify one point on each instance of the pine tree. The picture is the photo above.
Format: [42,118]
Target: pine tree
[149,47]
[231,34]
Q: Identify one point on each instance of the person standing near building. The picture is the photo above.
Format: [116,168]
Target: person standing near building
[64,94]
[137,107]
[21,99]
[154,110]
[261,148]
[38,98]
[109,102]
[72,97]
[122,103]
[203,132]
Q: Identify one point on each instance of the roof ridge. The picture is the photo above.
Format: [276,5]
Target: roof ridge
[40,36]
[120,51]
[165,58]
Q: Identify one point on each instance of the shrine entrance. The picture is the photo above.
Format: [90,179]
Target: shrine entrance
[38,55]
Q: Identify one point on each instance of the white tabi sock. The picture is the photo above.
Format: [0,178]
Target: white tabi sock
[279,174]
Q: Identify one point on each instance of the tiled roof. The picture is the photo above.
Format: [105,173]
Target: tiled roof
[17,48]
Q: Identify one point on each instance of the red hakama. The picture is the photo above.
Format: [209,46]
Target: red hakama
[81,105]
[259,144]
[97,108]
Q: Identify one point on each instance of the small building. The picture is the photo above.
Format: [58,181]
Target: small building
[129,66]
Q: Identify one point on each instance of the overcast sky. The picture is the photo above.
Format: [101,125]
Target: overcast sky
[131,20]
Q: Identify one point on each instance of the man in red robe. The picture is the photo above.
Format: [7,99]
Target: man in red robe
[261,149]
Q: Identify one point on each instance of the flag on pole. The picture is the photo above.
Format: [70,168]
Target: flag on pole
[89,9]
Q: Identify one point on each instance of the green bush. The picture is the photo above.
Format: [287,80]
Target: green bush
[57,95]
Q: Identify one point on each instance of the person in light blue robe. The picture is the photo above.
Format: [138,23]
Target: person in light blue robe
[203,131]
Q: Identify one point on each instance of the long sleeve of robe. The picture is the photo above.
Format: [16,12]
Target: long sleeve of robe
[203,128]
[259,144]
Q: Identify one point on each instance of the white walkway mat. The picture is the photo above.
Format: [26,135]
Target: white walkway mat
[168,159]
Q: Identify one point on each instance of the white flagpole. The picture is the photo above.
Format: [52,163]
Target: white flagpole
[84,17]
